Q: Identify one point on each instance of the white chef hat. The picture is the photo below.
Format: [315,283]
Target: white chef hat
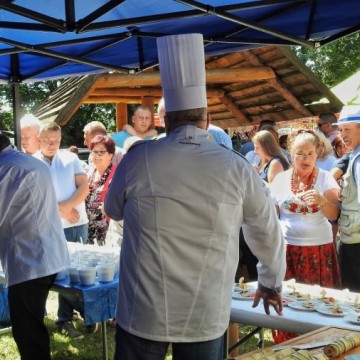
[182,71]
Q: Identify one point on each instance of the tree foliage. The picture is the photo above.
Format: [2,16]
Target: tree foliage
[335,62]
[31,96]
[72,132]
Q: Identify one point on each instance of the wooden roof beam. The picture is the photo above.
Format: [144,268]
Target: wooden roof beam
[212,76]
[144,91]
[226,100]
[289,97]
[279,86]
[112,99]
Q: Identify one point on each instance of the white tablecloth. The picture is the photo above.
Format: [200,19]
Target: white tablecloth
[292,320]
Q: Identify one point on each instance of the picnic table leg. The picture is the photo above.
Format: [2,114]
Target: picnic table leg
[5,330]
[104,340]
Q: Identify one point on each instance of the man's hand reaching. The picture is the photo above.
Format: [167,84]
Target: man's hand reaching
[275,300]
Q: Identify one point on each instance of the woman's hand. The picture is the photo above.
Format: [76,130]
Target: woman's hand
[314,197]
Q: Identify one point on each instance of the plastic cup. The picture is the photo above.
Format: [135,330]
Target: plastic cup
[61,275]
[73,275]
[105,272]
[87,275]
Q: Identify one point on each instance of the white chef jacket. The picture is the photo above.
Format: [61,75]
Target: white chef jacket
[183,199]
[32,240]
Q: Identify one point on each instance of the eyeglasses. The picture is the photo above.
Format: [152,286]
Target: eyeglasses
[51,141]
[99,153]
[305,156]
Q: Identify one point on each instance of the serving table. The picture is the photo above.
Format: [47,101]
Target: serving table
[4,308]
[293,320]
[100,302]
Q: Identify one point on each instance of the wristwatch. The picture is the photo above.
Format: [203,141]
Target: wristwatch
[269,290]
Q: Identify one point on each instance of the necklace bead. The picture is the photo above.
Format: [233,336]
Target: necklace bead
[309,184]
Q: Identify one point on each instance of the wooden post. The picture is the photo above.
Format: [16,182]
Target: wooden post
[149,102]
[121,116]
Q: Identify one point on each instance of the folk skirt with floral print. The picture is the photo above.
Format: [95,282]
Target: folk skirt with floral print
[313,265]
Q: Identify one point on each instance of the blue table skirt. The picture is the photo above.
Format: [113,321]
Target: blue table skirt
[100,299]
[4,306]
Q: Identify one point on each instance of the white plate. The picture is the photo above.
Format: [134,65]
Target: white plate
[326,301]
[286,300]
[239,296]
[236,287]
[326,310]
[353,318]
[300,297]
[299,305]
[355,308]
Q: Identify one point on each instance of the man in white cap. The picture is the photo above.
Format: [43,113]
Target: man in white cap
[349,127]
[183,199]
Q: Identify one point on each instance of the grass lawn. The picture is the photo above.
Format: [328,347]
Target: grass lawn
[90,348]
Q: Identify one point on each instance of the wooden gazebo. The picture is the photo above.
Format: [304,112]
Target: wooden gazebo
[242,88]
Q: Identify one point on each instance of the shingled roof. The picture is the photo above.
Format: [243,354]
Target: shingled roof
[243,88]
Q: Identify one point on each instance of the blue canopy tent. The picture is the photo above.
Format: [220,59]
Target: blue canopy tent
[57,38]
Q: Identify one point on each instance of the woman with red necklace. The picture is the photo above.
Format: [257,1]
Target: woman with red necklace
[306,198]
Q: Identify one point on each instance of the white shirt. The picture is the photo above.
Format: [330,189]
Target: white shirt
[302,228]
[183,199]
[326,164]
[32,241]
[64,167]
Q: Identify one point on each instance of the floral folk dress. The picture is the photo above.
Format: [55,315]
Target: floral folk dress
[98,224]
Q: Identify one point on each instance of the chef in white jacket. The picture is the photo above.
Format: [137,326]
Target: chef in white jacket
[183,199]
[33,247]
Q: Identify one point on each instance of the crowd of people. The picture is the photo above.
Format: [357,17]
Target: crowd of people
[178,206]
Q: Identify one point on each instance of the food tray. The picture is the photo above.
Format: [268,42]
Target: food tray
[322,334]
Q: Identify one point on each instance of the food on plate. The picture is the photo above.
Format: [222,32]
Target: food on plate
[355,307]
[342,345]
[299,296]
[286,300]
[301,355]
[247,293]
[327,300]
[242,283]
[285,354]
[323,293]
[308,304]
[336,309]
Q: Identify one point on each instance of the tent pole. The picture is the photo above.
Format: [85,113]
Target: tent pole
[15,91]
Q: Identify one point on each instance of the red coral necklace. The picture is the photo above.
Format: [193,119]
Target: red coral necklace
[309,184]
